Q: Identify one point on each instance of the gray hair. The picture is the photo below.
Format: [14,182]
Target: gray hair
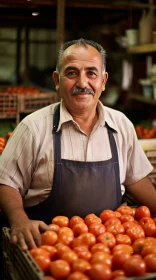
[81,42]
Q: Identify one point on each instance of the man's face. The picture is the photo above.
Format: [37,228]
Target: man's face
[81,81]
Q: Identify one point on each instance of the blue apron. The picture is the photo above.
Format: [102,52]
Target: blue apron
[80,188]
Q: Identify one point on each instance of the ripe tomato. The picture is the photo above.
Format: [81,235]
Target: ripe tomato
[103,257]
[59,269]
[125,210]
[127,225]
[148,249]
[100,271]
[65,235]
[39,251]
[107,238]
[118,273]
[142,211]
[54,227]
[69,256]
[49,237]
[112,221]
[74,220]
[126,218]
[99,247]
[97,228]
[106,215]
[150,261]
[151,240]
[135,267]
[145,220]
[61,248]
[43,262]
[92,218]
[122,248]
[79,228]
[149,229]
[135,232]
[118,259]
[115,229]
[77,275]
[61,221]
[52,251]
[80,265]
[87,239]
[83,253]
[138,245]
[117,214]
[47,277]
[123,239]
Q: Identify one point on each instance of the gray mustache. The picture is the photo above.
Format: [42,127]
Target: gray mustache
[77,90]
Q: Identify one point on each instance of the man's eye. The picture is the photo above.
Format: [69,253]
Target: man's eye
[71,73]
[92,74]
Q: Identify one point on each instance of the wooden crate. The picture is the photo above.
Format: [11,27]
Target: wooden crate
[9,106]
[29,103]
[151,155]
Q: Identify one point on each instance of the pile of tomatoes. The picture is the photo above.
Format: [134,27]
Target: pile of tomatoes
[114,245]
[3,141]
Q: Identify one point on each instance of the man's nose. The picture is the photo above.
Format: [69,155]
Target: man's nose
[82,81]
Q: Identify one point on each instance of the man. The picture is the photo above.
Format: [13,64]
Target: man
[72,158]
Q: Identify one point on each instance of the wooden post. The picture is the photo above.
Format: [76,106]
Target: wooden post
[60,23]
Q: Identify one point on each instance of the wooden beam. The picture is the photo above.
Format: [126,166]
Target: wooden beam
[60,23]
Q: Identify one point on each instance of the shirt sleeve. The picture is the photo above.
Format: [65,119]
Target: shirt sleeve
[138,165]
[17,159]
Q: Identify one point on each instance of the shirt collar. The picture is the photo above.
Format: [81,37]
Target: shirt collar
[103,111]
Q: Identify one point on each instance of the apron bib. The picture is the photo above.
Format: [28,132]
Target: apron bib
[80,188]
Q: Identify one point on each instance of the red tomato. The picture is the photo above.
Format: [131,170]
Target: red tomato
[80,265]
[112,221]
[52,251]
[79,228]
[92,218]
[125,210]
[138,245]
[107,238]
[100,247]
[47,277]
[127,225]
[145,220]
[69,256]
[115,229]
[77,275]
[135,267]
[49,237]
[118,273]
[38,251]
[106,215]
[54,227]
[123,239]
[87,239]
[65,235]
[97,228]
[61,248]
[149,229]
[151,240]
[126,218]
[148,249]
[118,259]
[59,269]
[122,248]
[150,261]
[43,262]
[61,221]
[142,211]
[74,220]
[100,271]
[117,214]
[135,232]
[83,253]
[103,257]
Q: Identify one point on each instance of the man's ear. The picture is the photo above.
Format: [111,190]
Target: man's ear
[56,80]
[105,78]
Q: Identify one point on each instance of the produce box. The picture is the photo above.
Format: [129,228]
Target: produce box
[8,106]
[31,102]
[20,265]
